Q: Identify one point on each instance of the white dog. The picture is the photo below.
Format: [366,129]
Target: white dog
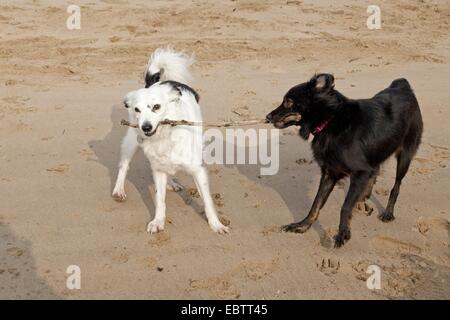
[168,149]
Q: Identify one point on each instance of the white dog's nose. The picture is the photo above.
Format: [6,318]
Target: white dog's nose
[147,127]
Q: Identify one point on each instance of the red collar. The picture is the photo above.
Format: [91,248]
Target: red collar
[322,126]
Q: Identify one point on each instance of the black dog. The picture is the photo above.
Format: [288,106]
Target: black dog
[352,138]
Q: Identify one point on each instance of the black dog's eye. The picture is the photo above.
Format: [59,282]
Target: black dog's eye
[288,103]
[137,110]
[156,107]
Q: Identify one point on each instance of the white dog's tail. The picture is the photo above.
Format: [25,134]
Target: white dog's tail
[167,64]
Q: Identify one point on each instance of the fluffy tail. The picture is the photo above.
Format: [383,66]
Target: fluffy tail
[167,64]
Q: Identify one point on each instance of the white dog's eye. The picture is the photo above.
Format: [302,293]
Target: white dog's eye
[137,110]
[156,107]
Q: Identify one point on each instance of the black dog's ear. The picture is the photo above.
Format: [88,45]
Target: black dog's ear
[322,82]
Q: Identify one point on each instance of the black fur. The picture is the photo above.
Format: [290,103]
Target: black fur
[181,86]
[151,79]
[359,137]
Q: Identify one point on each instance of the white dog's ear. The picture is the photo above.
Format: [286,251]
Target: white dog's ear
[127,100]
[126,103]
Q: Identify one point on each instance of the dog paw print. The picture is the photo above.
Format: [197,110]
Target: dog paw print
[329,266]
[364,207]
[360,269]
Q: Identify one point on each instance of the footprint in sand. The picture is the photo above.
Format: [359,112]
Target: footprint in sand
[429,225]
[159,239]
[224,219]
[329,266]
[222,288]
[363,207]
[60,168]
[382,191]
[121,258]
[22,126]
[225,286]
[85,152]
[416,277]
[385,244]
[361,268]
[439,159]
[271,229]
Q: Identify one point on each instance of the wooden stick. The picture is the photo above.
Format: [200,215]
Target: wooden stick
[128,123]
[204,124]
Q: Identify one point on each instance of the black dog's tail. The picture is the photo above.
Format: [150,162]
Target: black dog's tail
[414,134]
[400,83]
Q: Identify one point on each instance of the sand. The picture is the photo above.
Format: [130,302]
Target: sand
[60,97]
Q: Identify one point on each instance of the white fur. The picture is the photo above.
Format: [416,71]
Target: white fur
[168,149]
[175,65]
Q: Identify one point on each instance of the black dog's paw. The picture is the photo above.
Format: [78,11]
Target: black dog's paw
[298,227]
[386,216]
[342,236]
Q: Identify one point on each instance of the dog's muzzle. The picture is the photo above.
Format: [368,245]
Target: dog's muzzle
[284,122]
[147,128]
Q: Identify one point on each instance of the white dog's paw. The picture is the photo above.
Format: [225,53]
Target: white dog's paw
[119,195]
[172,185]
[155,226]
[219,228]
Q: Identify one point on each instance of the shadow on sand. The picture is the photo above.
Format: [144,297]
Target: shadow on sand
[296,181]
[18,276]
[293,179]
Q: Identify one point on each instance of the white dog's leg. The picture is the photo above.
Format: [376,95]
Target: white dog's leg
[128,149]
[202,183]
[157,224]
[173,185]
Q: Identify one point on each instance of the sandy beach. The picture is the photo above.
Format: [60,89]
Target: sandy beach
[61,97]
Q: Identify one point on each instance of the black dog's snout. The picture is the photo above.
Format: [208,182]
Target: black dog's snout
[269,117]
[147,127]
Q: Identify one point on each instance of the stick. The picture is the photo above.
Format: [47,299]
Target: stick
[205,124]
[128,123]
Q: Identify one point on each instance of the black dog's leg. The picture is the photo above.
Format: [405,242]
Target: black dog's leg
[403,161]
[358,185]
[369,188]
[327,184]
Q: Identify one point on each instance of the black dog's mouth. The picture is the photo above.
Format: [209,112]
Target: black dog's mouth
[287,121]
[280,124]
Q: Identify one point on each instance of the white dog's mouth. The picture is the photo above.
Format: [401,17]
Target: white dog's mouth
[148,130]
[149,134]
